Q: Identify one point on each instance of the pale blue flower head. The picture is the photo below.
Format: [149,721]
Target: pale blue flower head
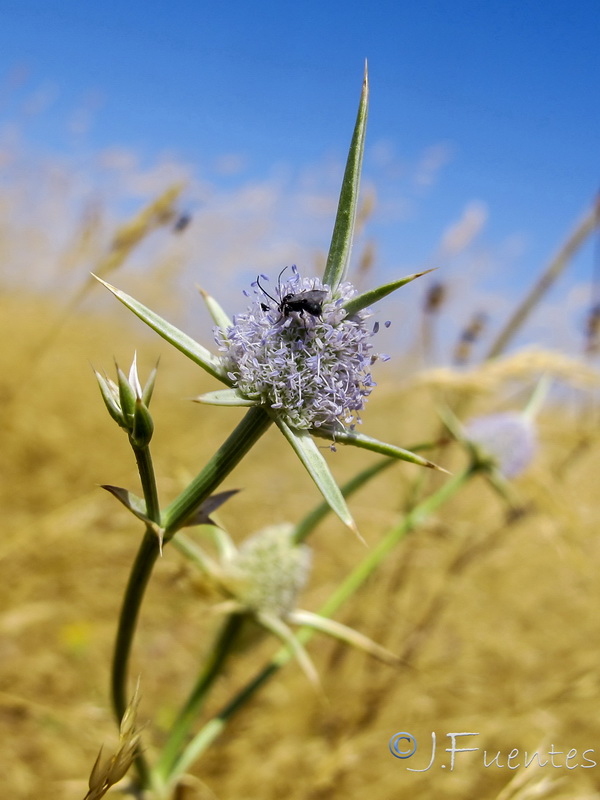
[508,439]
[314,368]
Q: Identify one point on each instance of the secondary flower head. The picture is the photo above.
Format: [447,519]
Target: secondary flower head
[508,439]
[262,580]
[269,571]
[314,367]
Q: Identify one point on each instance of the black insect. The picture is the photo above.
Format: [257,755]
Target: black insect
[309,300]
[181,223]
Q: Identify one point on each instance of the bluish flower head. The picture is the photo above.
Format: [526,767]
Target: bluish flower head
[314,368]
[508,438]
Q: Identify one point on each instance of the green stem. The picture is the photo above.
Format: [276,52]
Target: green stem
[148,479]
[136,586]
[414,518]
[188,714]
[312,519]
[214,727]
[131,602]
[231,452]
[247,433]
[138,580]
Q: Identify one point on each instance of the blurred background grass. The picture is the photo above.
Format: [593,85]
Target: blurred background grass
[495,616]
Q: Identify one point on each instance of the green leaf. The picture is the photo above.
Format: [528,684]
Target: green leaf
[312,459]
[136,505]
[210,505]
[225,397]
[343,231]
[149,387]
[278,628]
[249,430]
[368,443]
[219,316]
[142,426]
[344,634]
[184,343]
[373,295]
[126,395]
[111,404]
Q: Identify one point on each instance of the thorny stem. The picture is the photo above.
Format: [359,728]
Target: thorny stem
[231,452]
[136,586]
[148,479]
[246,434]
[472,550]
[414,518]
[351,584]
[188,714]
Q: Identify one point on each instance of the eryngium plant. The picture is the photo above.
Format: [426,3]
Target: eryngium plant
[301,359]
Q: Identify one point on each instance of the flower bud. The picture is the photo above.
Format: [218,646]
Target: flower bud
[143,425]
[127,403]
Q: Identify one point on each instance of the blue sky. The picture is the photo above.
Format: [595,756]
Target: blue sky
[479,110]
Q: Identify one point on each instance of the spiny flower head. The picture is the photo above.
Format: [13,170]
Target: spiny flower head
[315,368]
[508,438]
[269,570]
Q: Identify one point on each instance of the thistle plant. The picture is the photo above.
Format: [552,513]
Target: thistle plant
[300,358]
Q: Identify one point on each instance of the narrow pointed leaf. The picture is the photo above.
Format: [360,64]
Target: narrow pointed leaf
[219,316]
[343,231]
[97,773]
[131,501]
[149,387]
[109,400]
[126,395]
[202,515]
[344,634]
[133,378]
[143,425]
[368,443]
[225,397]
[312,459]
[373,295]
[184,343]
[138,508]
[280,629]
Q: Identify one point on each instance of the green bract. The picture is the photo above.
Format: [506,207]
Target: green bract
[295,422]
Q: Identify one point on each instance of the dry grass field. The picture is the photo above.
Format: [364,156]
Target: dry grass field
[495,616]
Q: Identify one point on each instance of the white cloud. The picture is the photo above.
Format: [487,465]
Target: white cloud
[428,168]
[460,234]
